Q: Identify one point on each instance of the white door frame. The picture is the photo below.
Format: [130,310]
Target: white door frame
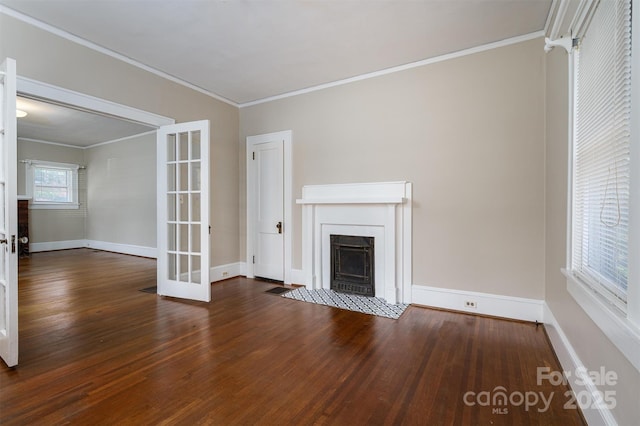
[286,137]
[45,91]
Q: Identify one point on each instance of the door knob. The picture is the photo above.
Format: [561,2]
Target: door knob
[279,226]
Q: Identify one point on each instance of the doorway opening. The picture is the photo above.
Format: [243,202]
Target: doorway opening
[69,127]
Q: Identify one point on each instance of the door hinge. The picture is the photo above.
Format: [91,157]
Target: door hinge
[209,229]
[254,259]
[254,155]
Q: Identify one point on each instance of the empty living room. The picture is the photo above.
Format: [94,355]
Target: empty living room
[310,212]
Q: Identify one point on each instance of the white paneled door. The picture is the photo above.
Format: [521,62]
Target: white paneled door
[268,183]
[8,216]
[183,211]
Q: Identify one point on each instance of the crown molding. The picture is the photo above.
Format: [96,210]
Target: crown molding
[121,139]
[436,59]
[68,36]
[90,45]
[50,143]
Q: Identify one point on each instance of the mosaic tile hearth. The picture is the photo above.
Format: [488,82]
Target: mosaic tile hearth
[351,302]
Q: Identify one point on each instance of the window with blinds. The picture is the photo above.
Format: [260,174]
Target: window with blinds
[601,159]
[51,185]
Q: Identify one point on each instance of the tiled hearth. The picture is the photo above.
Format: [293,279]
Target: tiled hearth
[379,210]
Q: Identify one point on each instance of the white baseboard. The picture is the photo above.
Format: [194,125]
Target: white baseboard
[486,304]
[56,245]
[570,362]
[99,245]
[217,273]
[223,272]
[143,251]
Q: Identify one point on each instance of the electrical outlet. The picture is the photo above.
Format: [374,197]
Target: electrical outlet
[470,304]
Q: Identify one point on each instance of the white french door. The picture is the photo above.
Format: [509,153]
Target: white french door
[8,216]
[183,211]
[268,187]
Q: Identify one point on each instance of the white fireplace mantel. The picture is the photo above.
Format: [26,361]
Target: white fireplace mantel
[380,210]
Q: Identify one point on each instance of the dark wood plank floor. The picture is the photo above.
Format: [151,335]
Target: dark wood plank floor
[96,350]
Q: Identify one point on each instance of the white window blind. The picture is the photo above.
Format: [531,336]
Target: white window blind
[601,152]
[52,184]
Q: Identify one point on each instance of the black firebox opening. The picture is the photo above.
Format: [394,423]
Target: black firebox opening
[352,264]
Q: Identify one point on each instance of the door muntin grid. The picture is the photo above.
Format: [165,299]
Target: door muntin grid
[184,226]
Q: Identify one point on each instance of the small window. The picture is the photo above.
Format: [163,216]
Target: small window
[52,185]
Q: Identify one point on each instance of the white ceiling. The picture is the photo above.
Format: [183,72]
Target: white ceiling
[47,122]
[245,51]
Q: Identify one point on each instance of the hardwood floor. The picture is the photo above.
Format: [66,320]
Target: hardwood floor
[96,350]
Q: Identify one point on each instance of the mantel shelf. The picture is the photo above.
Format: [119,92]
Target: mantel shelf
[387,200]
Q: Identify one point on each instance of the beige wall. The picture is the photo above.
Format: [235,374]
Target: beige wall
[469,134]
[51,59]
[54,225]
[593,348]
[121,193]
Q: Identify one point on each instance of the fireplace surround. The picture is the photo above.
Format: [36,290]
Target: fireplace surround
[381,211]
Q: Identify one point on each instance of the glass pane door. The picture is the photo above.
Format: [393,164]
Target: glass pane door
[183,211]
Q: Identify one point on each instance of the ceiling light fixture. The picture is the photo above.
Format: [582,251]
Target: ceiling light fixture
[20,113]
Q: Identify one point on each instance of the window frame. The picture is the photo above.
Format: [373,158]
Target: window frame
[32,165]
[622,327]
